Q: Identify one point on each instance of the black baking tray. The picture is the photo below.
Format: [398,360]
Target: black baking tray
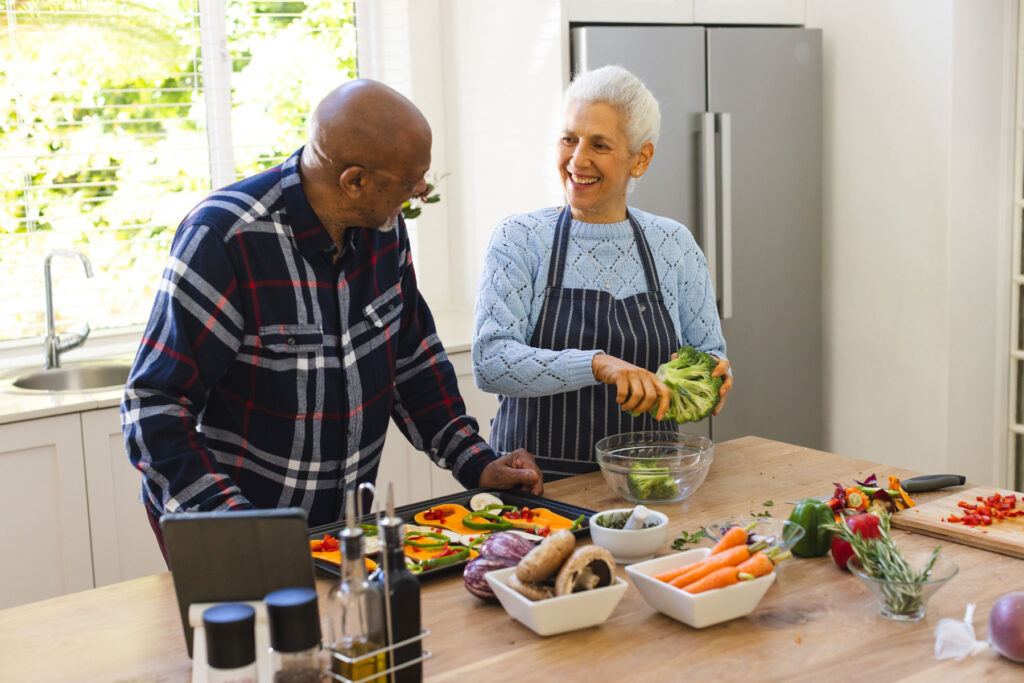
[407,512]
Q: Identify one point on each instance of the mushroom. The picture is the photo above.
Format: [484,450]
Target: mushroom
[543,561]
[482,500]
[589,567]
[529,589]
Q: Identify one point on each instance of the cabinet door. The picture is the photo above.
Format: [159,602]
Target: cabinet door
[44,530]
[480,404]
[123,545]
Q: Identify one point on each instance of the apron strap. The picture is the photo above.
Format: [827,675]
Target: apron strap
[559,249]
[646,257]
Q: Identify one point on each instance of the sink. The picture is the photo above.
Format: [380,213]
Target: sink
[73,377]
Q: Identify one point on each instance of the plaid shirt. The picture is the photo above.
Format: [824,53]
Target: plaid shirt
[268,373]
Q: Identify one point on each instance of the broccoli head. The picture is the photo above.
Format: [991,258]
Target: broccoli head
[694,390]
[647,481]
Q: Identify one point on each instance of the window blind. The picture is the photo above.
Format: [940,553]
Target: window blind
[110,133]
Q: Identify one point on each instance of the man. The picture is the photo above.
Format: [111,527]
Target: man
[288,330]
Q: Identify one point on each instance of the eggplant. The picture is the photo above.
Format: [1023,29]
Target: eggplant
[473,575]
[507,546]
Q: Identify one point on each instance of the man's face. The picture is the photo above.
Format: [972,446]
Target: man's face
[389,188]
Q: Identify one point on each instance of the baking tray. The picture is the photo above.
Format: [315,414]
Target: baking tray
[407,512]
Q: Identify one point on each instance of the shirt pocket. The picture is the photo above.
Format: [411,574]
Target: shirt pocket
[385,308]
[300,338]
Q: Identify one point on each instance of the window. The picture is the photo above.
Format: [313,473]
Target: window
[120,115]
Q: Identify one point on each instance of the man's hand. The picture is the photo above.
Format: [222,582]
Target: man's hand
[517,468]
[638,389]
[722,370]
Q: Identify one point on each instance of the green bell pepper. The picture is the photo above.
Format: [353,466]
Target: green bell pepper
[814,516]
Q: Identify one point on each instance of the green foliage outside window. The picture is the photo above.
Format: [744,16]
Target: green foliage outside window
[103,133]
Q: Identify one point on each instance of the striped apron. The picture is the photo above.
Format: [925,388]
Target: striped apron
[560,430]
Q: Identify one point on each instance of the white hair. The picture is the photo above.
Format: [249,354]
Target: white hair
[616,86]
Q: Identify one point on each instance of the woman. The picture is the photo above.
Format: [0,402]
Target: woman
[577,306]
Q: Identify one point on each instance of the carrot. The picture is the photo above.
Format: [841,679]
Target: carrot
[678,571]
[729,558]
[759,564]
[720,578]
[734,536]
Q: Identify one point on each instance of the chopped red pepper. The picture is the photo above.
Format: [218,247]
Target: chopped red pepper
[988,510]
[439,514]
[325,545]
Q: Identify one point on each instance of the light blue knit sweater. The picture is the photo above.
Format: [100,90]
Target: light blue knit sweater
[600,256]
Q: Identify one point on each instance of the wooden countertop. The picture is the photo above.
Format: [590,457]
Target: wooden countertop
[814,623]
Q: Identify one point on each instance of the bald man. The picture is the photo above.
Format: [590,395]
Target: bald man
[288,331]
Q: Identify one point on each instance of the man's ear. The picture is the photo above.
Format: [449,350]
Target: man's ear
[352,181]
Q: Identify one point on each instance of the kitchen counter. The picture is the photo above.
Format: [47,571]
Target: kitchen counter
[814,623]
[454,327]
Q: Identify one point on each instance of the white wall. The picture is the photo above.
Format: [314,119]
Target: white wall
[918,134]
[918,143]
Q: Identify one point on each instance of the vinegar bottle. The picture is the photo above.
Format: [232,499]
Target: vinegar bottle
[402,597]
[355,611]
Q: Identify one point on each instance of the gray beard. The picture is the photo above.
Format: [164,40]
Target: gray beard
[389,226]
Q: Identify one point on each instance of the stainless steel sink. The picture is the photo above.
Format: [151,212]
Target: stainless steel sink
[73,377]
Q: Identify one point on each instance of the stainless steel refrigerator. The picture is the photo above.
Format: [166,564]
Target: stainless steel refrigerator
[739,163]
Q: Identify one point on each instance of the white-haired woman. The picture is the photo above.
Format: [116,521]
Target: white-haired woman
[578,305]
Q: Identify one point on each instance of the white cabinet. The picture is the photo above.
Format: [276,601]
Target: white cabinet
[44,518]
[123,545]
[414,475]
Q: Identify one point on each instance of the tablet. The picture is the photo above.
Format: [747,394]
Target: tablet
[236,555]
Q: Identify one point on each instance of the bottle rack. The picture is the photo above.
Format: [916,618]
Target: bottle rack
[384,650]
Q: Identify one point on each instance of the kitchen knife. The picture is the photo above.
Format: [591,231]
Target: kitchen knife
[926,482]
[932,482]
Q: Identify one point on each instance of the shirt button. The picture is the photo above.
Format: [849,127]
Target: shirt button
[291,341]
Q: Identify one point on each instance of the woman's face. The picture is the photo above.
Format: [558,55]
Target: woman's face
[595,162]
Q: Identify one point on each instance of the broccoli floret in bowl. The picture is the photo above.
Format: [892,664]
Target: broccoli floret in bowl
[649,481]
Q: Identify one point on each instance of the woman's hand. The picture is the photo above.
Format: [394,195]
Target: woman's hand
[722,370]
[638,389]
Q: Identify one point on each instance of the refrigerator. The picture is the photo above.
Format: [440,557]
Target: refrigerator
[739,163]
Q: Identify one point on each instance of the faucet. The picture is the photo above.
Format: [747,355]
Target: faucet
[54,344]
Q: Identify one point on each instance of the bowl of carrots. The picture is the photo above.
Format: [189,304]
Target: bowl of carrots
[707,586]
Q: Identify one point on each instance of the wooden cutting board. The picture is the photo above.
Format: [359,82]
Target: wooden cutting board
[1005,536]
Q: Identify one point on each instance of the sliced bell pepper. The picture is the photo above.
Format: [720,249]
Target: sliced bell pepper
[493,523]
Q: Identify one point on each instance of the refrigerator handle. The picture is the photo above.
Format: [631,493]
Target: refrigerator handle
[708,201]
[725,211]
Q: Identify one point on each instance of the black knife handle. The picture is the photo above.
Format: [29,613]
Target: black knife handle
[931,482]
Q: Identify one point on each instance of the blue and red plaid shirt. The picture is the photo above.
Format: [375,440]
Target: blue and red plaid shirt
[268,372]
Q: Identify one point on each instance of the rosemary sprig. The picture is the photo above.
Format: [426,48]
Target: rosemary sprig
[881,559]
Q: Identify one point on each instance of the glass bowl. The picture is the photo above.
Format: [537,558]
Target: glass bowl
[778,533]
[654,467]
[904,600]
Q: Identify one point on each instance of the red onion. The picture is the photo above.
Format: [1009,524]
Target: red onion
[506,546]
[473,576]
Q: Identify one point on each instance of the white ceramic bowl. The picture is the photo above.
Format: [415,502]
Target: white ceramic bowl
[633,545]
[702,609]
[559,614]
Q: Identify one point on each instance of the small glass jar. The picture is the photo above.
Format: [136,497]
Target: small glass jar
[294,635]
[230,643]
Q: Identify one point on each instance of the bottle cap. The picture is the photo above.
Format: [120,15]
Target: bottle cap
[294,619]
[230,635]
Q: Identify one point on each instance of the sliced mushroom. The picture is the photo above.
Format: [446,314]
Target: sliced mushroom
[482,500]
[543,561]
[589,567]
[529,589]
